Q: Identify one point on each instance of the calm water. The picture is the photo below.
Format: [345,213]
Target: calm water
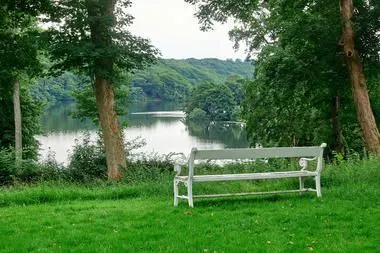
[159,124]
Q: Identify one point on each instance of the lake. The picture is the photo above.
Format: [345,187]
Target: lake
[159,124]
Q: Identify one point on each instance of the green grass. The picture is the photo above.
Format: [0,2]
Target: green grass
[57,217]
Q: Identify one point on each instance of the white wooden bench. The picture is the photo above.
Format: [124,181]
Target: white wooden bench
[305,154]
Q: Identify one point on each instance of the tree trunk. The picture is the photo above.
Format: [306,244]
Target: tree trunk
[17,119]
[113,140]
[101,28]
[337,125]
[364,112]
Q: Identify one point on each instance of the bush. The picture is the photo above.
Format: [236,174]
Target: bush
[87,165]
[7,167]
[148,171]
[51,170]
[88,161]
[28,171]
[198,115]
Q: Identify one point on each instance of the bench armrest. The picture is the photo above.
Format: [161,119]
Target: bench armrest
[179,161]
[177,169]
[304,162]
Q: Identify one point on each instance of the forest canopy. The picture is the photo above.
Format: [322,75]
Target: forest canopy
[166,80]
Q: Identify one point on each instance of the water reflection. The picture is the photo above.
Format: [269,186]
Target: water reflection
[60,119]
[232,135]
[161,125]
[150,119]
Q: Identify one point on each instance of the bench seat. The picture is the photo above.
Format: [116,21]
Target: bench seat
[249,176]
[304,154]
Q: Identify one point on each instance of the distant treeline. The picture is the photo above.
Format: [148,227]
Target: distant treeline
[167,80]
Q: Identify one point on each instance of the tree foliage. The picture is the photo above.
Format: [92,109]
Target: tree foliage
[74,48]
[53,90]
[19,62]
[30,110]
[167,80]
[214,102]
[92,37]
[300,73]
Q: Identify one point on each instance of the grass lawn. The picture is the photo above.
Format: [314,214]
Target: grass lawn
[141,218]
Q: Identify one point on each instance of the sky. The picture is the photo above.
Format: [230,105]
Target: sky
[171,26]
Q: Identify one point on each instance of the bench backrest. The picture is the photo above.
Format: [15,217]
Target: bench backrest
[256,153]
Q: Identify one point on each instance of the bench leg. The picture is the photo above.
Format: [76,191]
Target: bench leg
[302,183]
[318,186]
[176,190]
[190,193]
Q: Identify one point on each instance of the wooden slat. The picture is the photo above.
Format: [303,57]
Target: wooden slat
[251,193]
[250,153]
[249,176]
[181,178]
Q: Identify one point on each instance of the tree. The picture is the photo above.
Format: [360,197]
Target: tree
[17,120]
[18,54]
[90,36]
[216,100]
[299,60]
[365,115]
[236,86]
[30,111]
[295,99]
[166,80]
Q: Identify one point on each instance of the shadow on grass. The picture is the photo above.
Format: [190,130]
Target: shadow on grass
[248,200]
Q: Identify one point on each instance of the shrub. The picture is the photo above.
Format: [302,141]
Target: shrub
[28,171]
[7,167]
[88,161]
[51,170]
[197,115]
[147,171]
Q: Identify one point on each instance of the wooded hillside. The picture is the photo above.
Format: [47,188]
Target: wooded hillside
[168,80]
